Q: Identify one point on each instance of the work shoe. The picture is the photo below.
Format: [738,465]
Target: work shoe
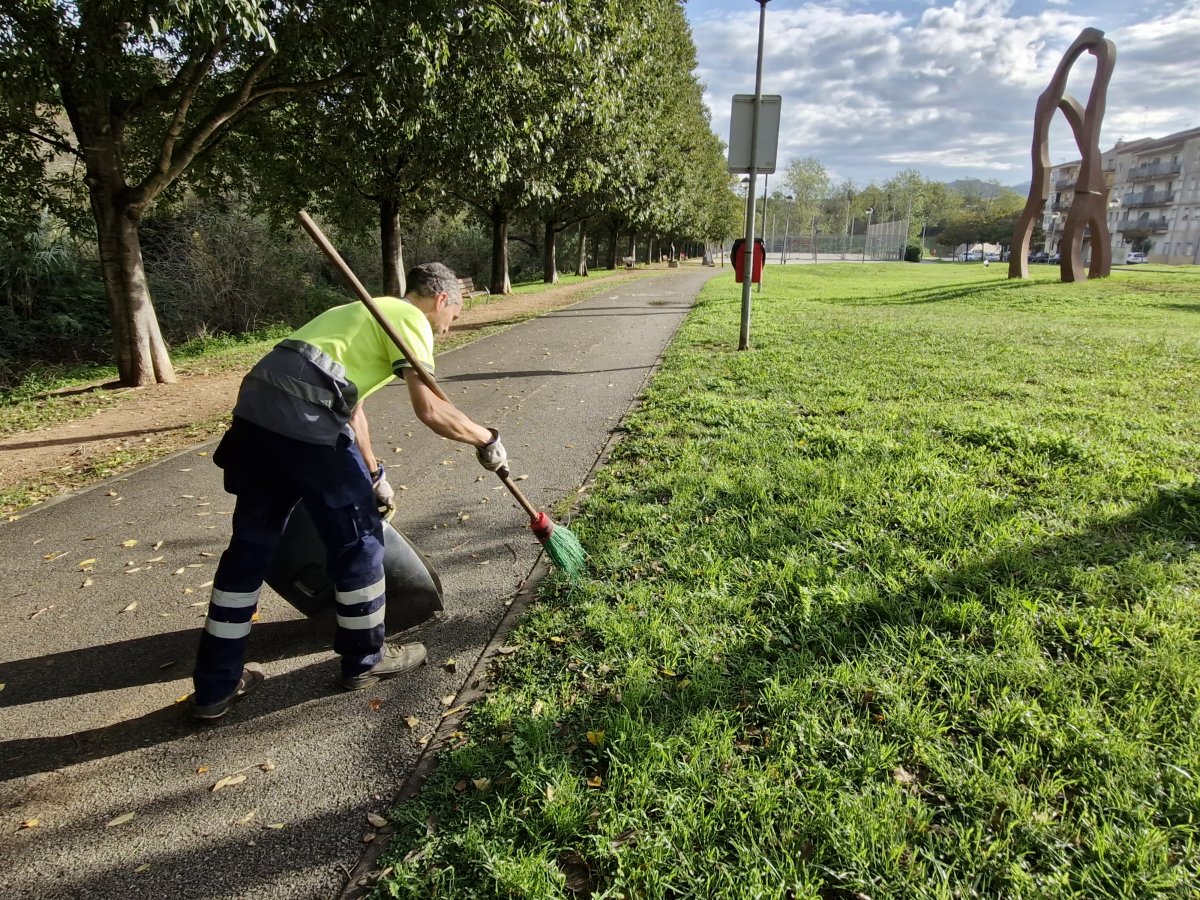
[252,677]
[397,659]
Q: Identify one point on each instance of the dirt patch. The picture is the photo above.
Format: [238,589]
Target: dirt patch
[151,422]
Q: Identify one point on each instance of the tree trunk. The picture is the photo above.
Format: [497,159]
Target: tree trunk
[612,247]
[500,283]
[392,247]
[633,247]
[549,262]
[582,268]
[141,354]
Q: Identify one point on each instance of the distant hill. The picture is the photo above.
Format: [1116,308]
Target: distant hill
[975,187]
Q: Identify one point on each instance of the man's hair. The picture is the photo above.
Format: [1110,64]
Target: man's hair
[433,278]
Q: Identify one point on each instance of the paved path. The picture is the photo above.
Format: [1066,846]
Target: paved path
[90,729]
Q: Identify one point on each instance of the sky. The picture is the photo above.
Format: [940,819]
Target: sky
[946,88]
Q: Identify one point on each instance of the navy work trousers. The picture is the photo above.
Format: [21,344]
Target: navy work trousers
[269,473]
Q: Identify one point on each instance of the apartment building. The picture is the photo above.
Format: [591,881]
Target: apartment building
[1154,196]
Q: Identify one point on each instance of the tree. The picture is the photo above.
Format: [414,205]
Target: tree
[149,87]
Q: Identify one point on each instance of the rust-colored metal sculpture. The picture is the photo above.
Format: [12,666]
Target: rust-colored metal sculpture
[1089,208]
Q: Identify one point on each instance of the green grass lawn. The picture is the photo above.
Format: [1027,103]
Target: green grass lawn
[900,604]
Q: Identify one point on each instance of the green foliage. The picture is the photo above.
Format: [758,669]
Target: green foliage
[912,253]
[901,603]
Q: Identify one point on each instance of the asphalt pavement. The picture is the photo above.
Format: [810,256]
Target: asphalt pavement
[107,788]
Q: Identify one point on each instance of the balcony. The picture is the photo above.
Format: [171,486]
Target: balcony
[1060,205]
[1148,198]
[1159,224]
[1154,170]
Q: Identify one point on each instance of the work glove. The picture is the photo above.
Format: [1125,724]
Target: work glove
[385,497]
[492,455]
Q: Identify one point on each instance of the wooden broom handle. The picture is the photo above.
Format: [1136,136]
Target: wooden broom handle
[351,279]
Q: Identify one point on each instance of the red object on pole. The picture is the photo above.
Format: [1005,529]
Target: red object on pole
[738,257]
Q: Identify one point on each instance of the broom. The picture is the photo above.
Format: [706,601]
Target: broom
[561,545]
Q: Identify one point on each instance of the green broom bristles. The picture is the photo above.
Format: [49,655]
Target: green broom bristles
[561,546]
[565,551]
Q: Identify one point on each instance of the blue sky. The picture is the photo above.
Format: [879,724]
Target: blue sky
[947,88]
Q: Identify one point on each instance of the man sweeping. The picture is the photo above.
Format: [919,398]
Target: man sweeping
[299,433]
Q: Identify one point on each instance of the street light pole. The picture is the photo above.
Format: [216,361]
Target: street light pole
[867,236]
[748,261]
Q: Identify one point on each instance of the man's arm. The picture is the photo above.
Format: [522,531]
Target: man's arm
[441,417]
[362,437]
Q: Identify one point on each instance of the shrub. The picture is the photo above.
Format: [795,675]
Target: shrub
[912,253]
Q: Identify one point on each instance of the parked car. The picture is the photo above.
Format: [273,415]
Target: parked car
[992,257]
[1054,259]
[1039,256]
[972,256]
[1135,257]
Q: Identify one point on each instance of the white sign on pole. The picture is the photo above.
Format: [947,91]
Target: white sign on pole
[740,125]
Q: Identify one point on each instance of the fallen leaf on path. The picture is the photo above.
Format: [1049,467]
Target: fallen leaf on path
[131,607]
[3,685]
[40,611]
[29,823]
[450,665]
[131,571]
[121,820]
[87,582]
[245,820]
[276,826]
[368,837]
[448,700]
[179,571]
[376,704]
[129,543]
[425,740]
[157,545]
[376,819]
[181,699]
[57,554]
[200,770]
[144,867]
[268,766]
[87,562]
[412,721]
[228,781]
[156,559]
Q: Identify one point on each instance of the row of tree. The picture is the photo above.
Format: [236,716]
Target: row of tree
[372,114]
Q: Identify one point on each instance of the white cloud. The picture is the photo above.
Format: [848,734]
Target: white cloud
[948,88]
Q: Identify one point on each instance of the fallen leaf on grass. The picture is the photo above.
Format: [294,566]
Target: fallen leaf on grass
[228,781]
[550,792]
[460,785]
[595,781]
[481,784]
[506,651]
[376,819]
[538,708]
[121,820]
[595,738]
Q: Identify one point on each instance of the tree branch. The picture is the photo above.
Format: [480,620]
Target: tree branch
[58,144]
[198,71]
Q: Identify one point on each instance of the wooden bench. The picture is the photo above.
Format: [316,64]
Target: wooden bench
[469,291]
[628,261]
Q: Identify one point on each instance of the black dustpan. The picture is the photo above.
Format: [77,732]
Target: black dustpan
[298,573]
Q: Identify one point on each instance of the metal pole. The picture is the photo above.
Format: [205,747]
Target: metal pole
[867,236]
[748,263]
